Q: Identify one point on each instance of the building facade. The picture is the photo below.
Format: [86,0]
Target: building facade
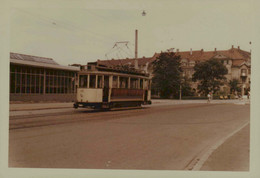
[37,79]
[237,61]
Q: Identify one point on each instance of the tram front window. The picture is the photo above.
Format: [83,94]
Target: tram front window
[83,81]
[92,81]
[99,84]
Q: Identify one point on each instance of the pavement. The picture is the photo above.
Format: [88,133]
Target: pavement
[39,106]
[226,157]
[169,137]
[43,106]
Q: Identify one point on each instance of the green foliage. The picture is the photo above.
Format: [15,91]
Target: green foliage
[234,86]
[210,75]
[167,70]
[186,87]
[194,98]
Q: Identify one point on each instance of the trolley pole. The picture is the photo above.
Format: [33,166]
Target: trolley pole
[136,41]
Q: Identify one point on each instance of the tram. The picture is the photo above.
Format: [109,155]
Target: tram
[102,87]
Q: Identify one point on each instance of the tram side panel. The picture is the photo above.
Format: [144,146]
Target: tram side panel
[90,95]
[122,94]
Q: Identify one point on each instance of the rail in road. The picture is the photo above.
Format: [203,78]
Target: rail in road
[179,137]
[81,115]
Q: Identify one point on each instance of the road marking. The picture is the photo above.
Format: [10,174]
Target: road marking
[205,156]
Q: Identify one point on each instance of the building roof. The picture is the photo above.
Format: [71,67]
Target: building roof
[32,58]
[236,54]
[200,55]
[37,61]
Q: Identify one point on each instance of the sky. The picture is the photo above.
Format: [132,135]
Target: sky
[84,31]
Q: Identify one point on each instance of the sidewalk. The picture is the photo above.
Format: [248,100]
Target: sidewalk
[232,155]
[217,101]
[39,106]
[157,102]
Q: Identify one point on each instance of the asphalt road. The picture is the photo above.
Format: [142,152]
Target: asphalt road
[173,137]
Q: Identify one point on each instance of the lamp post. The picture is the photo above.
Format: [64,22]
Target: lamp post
[182,78]
[180,91]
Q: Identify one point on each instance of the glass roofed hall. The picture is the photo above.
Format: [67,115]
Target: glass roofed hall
[34,78]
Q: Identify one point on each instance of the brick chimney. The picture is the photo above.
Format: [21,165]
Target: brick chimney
[201,50]
[177,50]
[215,49]
[238,47]
[190,51]
[232,46]
[136,64]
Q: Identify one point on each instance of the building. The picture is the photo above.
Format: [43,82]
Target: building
[37,79]
[237,61]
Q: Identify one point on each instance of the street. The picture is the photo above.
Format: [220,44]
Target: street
[162,137]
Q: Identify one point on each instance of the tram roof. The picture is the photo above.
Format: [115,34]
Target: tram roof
[113,71]
[118,70]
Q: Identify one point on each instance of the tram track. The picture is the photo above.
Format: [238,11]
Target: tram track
[49,119]
[20,122]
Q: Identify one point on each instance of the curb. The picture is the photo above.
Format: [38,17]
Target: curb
[33,109]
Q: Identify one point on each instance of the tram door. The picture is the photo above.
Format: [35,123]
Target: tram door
[145,95]
[106,88]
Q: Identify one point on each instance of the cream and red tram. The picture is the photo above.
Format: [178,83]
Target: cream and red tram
[104,87]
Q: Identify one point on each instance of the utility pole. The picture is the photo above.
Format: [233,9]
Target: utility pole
[180,91]
[136,41]
[136,38]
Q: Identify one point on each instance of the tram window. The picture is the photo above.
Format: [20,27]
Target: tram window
[92,81]
[145,84]
[123,82]
[83,81]
[134,83]
[149,84]
[114,81]
[141,83]
[99,82]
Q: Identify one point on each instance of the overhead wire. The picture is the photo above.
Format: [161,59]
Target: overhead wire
[68,26]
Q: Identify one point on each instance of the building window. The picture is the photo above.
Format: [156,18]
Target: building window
[243,72]
[27,79]
[192,63]
[183,64]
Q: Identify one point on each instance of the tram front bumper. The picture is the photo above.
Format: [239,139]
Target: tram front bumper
[147,102]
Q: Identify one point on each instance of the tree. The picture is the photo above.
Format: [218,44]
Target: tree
[166,71]
[186,87]
[210,75]
[234,85]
